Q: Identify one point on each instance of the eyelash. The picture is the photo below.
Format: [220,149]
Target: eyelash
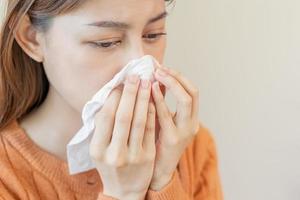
[152,37]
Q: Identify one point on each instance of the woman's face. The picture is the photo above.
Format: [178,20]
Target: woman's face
[85,48]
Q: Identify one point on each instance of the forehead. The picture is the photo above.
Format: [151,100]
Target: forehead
[124,10]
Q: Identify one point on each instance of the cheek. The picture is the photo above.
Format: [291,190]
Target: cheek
[158,50]
[75,75]
[77,72]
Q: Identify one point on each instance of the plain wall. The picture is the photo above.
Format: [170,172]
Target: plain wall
[2,9]
[243,56]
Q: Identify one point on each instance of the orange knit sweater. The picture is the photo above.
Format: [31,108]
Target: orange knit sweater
[29,172]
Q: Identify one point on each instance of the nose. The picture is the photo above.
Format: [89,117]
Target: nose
[135,51]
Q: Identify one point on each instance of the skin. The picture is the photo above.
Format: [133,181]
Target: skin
[76,69]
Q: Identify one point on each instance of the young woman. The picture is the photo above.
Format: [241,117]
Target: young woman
[55,55]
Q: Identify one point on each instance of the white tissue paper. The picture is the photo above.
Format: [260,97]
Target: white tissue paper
[78,148]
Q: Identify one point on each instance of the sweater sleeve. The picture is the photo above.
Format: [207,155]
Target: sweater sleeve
[207,182]
[4,193]
[172,191]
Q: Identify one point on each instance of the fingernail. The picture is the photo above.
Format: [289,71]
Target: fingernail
[161,72]
[133,78]
[145,83]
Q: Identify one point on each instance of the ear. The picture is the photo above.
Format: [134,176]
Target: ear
[29,39]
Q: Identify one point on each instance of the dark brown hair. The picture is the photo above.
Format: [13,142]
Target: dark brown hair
[23,82]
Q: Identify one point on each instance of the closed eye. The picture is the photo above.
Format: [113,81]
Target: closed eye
[106,44]
[151,37]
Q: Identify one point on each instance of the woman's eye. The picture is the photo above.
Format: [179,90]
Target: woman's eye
[107,45]
[153,36]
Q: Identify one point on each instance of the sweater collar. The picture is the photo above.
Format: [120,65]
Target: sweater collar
[48,164]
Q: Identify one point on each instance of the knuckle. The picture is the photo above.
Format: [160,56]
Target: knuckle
[166,114]
[187,101]
[149,129]
[105,116]
[149,154]
[139,123]
[134,158]
[95,153]
[122,118]
[175,140]
[130,90]
[115,161]
[115,156]
[150,157]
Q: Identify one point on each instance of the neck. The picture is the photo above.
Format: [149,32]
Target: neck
[53,124]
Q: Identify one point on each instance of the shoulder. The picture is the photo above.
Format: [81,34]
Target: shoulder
[202,163]
[204,136]
[10,172]
[203,140]
[13,148]
[203,148]
[4,145]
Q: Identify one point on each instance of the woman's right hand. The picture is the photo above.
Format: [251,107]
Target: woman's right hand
[123,144]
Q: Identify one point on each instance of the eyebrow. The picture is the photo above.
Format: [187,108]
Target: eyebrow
[122,25]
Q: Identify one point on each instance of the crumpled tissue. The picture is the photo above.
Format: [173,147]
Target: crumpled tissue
[78,147]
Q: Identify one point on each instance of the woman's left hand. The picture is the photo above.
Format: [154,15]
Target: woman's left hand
[176,130]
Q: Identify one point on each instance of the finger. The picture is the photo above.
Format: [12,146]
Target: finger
[184,101]
[163,113]
[104,122]
[149,136]
[125,112]
[192,90]
[140,117]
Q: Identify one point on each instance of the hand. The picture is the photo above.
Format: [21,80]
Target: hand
[176,130]
[123,145]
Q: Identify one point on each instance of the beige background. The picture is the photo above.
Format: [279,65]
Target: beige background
[243,55]
[2,10]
